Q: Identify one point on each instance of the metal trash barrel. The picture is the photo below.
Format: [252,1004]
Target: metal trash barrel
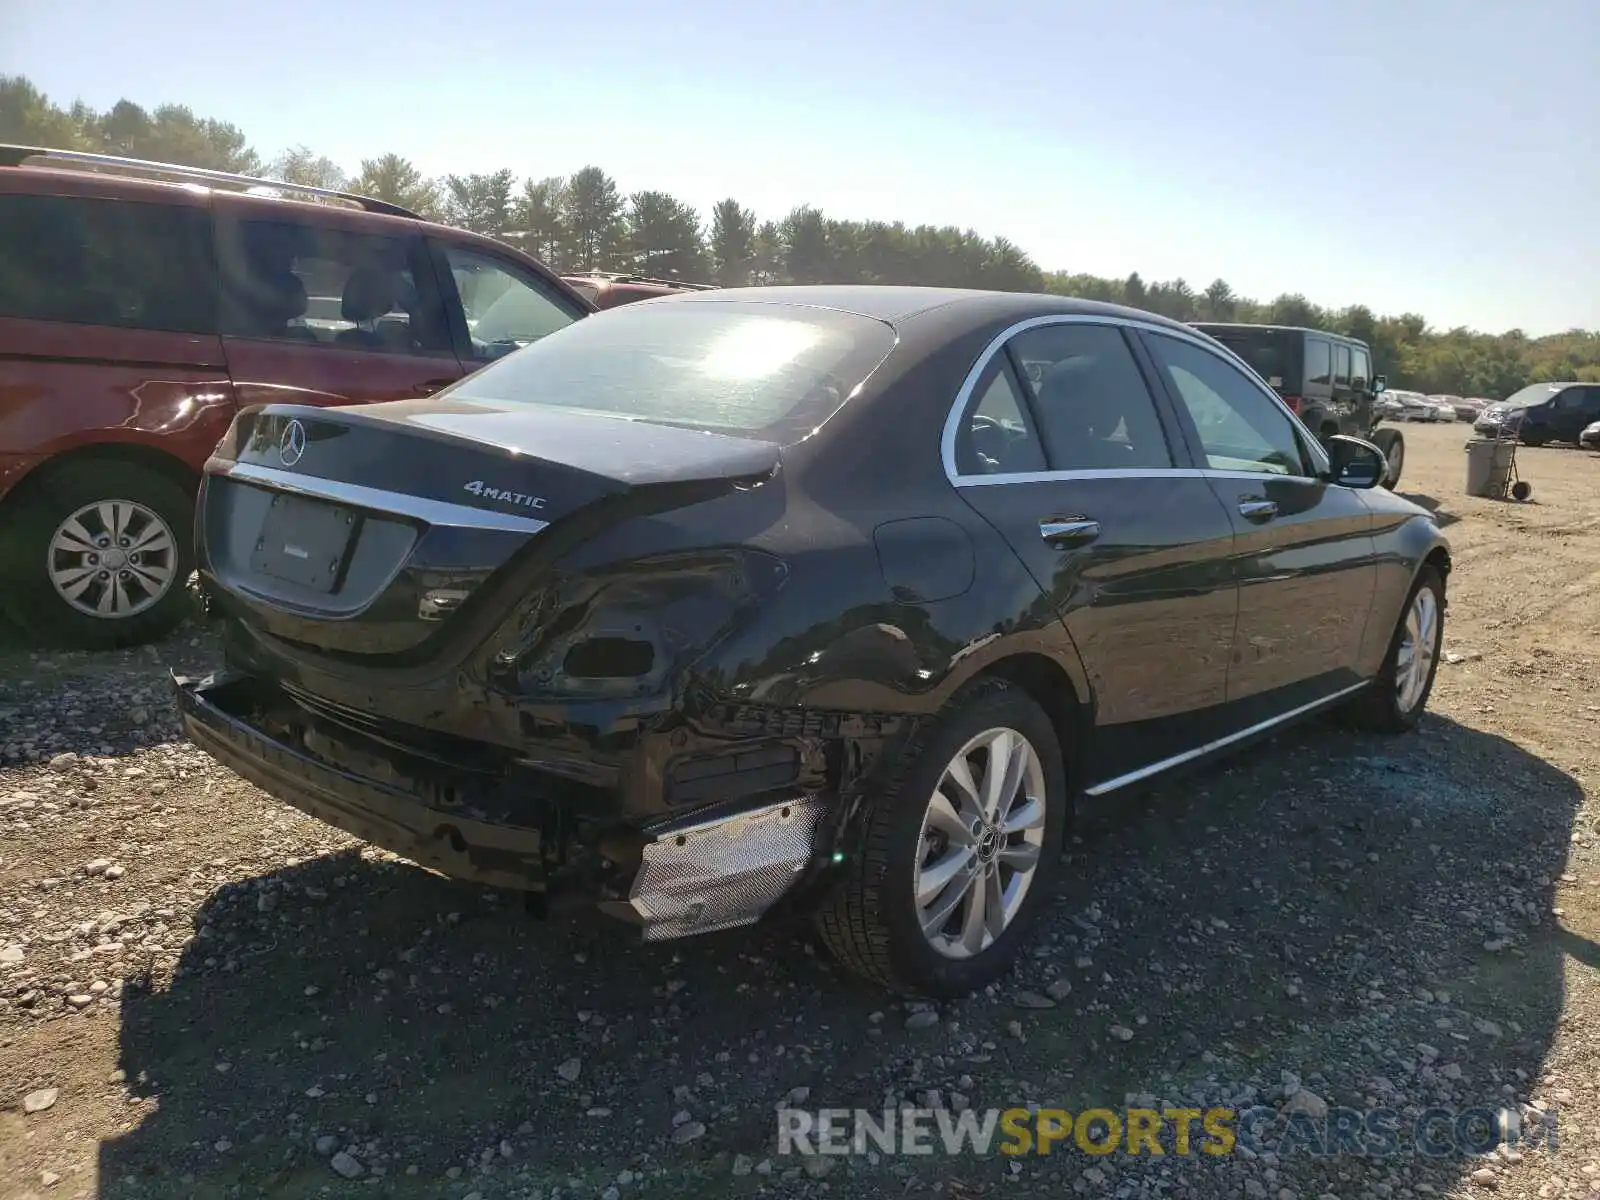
[1489,467]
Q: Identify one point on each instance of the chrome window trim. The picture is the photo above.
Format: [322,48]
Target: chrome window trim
[952,423]
[1130,473]
[1166,764]
[420,508]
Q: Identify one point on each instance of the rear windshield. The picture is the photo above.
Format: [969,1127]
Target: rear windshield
[738,367]
[1534,393]
[1266,350]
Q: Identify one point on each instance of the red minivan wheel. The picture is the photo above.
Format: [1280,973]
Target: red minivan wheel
[99,554]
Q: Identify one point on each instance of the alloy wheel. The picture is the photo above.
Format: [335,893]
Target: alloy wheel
[1419,643]
[112,559]
[980,843]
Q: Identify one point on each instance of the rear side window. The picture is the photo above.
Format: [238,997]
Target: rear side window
[739,367]
[107,262]
[999,439]
[317,286]
[1319,361]
[1341,364]
[1094,411]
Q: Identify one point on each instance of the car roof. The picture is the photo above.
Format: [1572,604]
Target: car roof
[1326,333]
[900,304]
[62,172]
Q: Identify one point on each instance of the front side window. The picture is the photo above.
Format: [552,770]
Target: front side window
[1095,412]
[1240,427]
[1319,361]
[320,286]
[1341,364]
[739,367]
[107,262]
[504,309]
[1360,369]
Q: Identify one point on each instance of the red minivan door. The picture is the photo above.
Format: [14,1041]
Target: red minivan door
[322,306]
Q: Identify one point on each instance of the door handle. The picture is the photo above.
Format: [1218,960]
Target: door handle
[1253,508]
[1069,531]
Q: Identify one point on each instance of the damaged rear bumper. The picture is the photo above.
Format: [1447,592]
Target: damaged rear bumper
[692,874]
[449,842]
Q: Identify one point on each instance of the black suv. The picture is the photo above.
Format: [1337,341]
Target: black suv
[1543,412]
[1324,377]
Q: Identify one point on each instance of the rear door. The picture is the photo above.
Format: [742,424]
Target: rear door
[1062,446]
[330,310]
[1303,546]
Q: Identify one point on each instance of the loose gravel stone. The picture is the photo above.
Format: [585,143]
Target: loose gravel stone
[38,1101]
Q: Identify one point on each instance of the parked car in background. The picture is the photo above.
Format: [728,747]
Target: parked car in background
[1542,412]
[608,289]
[1589,439]
[142,305]
[1458,408]
[834,597]
[1414,406]
[1325,378]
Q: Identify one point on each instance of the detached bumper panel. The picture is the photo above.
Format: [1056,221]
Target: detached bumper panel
[453,844]
[722,872]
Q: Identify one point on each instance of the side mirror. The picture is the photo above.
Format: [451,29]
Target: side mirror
[1356,463]
[1379,385]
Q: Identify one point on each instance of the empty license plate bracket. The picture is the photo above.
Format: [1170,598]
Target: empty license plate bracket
[304,541]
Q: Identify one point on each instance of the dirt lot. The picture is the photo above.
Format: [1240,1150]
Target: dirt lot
[225,998]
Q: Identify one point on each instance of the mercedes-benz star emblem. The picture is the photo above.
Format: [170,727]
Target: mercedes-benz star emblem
[292,445]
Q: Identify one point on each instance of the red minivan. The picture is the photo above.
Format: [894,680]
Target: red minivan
[141,305]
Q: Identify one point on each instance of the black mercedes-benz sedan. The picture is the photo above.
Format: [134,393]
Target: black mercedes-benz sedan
[823,597]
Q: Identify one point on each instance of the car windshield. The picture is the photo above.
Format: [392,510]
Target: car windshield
[1264,350]
[1534,393]
[736,367]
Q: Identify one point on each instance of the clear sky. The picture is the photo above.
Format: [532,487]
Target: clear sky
[1407,154]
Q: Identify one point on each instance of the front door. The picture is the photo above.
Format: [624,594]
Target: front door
[1066,452]
[496,304]
[330,312]
[1303,546]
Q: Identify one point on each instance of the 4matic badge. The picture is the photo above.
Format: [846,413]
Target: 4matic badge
[478,488]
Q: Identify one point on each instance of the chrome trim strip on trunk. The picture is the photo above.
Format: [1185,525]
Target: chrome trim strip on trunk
[1122,781]
[420,508]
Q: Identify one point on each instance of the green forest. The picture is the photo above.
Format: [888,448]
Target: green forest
[585,222]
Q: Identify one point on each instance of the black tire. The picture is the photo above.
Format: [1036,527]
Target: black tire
[1377,708]
[1393,444]
[1535,438]
[29,523]
[870,921]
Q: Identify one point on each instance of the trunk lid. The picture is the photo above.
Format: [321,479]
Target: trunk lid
[367,531]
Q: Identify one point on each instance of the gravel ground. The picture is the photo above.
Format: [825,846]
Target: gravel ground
[203,993]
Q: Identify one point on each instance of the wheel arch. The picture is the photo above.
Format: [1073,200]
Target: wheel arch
[131,453]
[1047,683]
